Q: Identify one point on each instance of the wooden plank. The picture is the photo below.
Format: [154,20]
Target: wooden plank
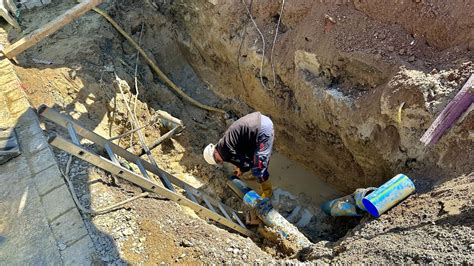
[458,105]
[50,28]
[140,181]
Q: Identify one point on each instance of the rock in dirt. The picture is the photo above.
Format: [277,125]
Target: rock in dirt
[186,243]
[127,232]
[62,246]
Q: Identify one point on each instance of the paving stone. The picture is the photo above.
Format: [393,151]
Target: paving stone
[8,82]
[16,168]
[69,227]
[80,253]
[28,124]
[34,3]
[42,160]
[28,130]
[48,180]
[27,237]
[28,204]
[19,107]
[34,143]
[57,202]
[14,95]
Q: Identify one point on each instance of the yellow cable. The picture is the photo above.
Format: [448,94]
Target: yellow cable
[155,68]
[399,117]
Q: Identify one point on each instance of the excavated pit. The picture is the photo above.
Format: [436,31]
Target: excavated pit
[348,108]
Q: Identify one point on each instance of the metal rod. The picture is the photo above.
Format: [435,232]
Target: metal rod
[236,217]
[209,205]
[129,132]
[191,196]
[160,140]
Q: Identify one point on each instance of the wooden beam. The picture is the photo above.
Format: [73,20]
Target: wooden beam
[50,28]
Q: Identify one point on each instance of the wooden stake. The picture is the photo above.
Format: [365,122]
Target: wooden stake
[50,28]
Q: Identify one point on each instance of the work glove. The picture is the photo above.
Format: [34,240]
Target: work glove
[266,187]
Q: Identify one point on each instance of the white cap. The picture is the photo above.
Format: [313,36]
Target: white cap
[208,154]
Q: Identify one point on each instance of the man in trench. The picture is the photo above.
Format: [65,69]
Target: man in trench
[247,144]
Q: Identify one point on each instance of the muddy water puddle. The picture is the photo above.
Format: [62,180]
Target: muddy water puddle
[296,181]
[299,181]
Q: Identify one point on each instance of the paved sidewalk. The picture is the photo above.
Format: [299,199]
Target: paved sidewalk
[39,222]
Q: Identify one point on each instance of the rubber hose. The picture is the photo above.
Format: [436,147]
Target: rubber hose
[155,68]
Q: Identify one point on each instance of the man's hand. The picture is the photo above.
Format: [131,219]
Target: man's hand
[237,171]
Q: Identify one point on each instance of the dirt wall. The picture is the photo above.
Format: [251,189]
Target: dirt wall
[353,90]
[441,24]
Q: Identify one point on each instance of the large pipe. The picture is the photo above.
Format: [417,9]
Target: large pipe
[350,205]
[269,216]
[388,195]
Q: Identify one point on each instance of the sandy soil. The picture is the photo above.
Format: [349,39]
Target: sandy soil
[335,107]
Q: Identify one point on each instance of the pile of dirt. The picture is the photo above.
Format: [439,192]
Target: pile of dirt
[434,227]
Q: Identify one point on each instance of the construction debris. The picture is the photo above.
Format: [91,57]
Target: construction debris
[213,209]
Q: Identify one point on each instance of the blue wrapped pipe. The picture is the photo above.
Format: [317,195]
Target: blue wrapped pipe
[344,206]
[350,205]
[360,194]
[388,195]
[266,212]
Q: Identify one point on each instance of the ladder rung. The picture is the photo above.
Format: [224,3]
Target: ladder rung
[224,212]
[111,154]
[236,217]
[190,195]
[166,182]
[213,201]
[142,169]
[73,134]
[209,205]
